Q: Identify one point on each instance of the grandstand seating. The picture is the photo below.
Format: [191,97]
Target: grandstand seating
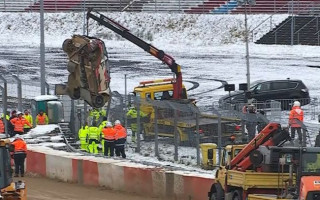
[54,5]
[14,5]
[169,5]
[226,8]
[182,6]
[205,6]
[305,32]
[280,6]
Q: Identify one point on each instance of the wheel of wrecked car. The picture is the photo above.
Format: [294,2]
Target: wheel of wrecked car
[76,94]
[71,66]
[99,101]
[68,46]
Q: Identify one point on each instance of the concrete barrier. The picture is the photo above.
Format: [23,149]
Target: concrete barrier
[119,175]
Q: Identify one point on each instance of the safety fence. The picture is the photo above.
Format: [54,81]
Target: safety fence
[166,129]
[21,93]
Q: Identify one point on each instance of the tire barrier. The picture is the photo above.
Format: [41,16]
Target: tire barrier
[118,175]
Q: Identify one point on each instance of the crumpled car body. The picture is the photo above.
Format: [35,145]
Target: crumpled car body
[89,72]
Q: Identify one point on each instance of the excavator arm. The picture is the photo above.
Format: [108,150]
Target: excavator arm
[262,137]
[271,135]
[161,55]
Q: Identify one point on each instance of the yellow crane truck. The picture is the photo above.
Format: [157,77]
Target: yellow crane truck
[9,190]
[265,170]
[159,90]
[169,89]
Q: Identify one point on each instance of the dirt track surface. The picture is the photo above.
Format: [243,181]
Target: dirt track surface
[46,189]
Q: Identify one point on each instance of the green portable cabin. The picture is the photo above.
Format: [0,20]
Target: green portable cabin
[51,105]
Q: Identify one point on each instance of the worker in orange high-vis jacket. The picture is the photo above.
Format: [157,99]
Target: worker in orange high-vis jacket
[18,123]
[2,127]
[42,118]
[19,155]
[121,137]
[296,120]
[109,135]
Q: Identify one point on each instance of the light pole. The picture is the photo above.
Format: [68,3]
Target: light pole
[42,51]
[245,3]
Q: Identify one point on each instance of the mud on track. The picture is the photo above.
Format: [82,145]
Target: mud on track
[39,188]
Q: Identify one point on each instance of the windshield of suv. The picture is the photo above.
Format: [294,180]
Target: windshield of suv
[255,83]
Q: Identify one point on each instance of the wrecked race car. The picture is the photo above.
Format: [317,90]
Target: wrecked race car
[89,71]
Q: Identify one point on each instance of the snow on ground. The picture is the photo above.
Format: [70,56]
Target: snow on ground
[207,46]
[42,130]
[191,30]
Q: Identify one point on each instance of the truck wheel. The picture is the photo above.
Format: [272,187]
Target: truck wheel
[214,196]
[237,195]
[218,193]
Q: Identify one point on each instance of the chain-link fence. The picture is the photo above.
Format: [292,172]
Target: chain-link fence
[174,130]
[171,130]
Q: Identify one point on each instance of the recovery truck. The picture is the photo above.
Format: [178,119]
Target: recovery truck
[264,169]
[169,89]
[9,189]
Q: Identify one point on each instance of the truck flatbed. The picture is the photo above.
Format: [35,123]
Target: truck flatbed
[252,179]
[264,197]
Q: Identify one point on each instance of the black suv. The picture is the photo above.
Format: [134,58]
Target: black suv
[286,91]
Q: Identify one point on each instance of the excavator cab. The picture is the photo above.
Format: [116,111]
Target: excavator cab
[310,174]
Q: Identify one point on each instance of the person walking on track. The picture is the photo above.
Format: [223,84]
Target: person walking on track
[19,155]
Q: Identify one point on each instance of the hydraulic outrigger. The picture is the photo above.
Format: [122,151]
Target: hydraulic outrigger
[161,55]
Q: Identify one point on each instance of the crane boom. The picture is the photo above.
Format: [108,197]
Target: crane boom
[161,55]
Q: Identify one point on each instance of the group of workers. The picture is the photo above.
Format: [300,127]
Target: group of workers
[18,124]
[21,123]
[111,139]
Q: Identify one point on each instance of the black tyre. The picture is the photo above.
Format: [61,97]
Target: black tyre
[71,66]
[76,93]
[67,46]
[214,196]
[99,101]
[217,192]
[237,195]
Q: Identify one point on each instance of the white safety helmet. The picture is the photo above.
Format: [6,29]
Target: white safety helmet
[17,137]
[109,124]
[296,103]
[19,113]
[117,122]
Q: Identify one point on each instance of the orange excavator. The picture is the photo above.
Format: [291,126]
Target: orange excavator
[266,168]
